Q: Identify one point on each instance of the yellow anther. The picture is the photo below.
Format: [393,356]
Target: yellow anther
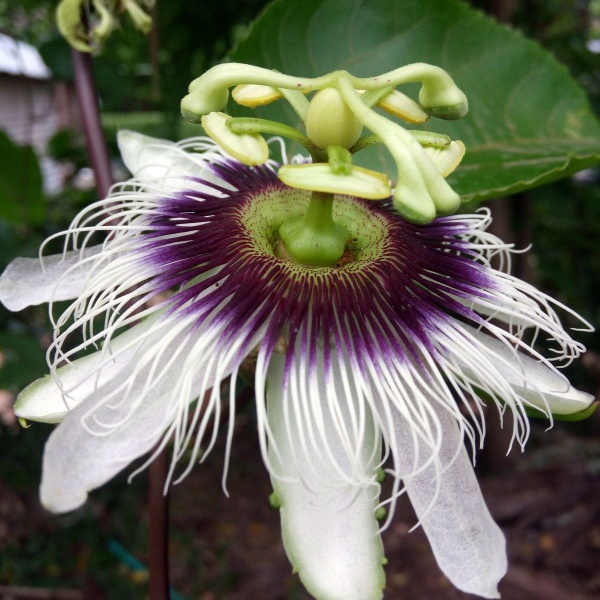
[361,183]
[447,159]
[403,107]
[252,95]
[249,148]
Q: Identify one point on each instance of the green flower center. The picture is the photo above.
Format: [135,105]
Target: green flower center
[270,219]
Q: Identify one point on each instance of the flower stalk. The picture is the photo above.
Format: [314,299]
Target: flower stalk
[87,99]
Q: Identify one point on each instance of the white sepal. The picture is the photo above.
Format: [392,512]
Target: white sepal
[29,281]
[157,163]
[542,386]
[44,401]
[119,422]
[468,545]
[328,522]
[139,152]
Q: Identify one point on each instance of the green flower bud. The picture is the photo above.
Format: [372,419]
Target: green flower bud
[141,19]
[68,21]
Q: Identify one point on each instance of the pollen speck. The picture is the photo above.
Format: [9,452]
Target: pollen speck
[349,256]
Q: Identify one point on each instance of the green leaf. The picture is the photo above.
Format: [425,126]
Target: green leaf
[529,123]
[57,55]
[21,195]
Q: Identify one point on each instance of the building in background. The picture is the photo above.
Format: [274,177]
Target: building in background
[33,107]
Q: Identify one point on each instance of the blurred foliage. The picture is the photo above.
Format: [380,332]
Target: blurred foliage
[566,27]
[67,145]
[193,36]
[21,196]
[27,20]
[23,360]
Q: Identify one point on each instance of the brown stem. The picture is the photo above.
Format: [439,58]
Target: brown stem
[154,50]
[92,125]
[159,528]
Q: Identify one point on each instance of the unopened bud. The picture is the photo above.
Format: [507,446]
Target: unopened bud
[141,19]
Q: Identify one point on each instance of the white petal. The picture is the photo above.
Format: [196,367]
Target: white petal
[117,423]
[468,545]
[27,281]
[329,528]
[43,399]
[138,150]
[543,387]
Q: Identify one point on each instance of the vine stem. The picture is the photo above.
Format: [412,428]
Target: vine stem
[87,100]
